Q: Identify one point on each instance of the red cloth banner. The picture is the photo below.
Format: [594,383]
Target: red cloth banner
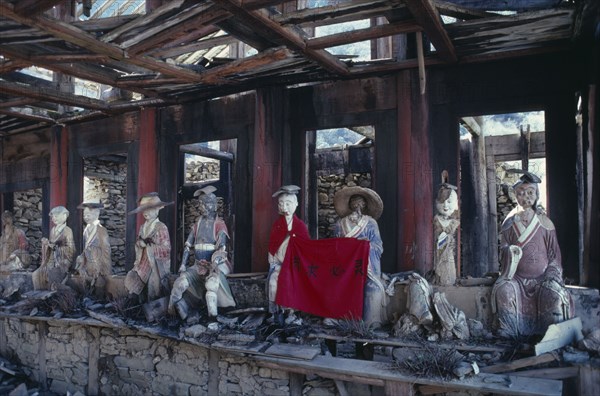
[324,277]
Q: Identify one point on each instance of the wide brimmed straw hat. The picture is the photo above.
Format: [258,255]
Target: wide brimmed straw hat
[91,204]
[149,201]
[341,201]
[205,190]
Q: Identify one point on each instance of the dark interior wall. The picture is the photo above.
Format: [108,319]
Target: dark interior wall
[225,118]
[344,104]
[535,83]
[115,135]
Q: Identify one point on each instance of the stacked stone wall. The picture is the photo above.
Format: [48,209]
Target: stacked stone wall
[107,181]
[126,362]
[200,170]
[327,187]
[28,217]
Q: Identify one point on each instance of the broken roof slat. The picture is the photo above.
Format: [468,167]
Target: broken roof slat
[428,17]
[357,35]
[292,39]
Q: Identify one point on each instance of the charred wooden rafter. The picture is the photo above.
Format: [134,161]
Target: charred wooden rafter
[428,17]
[363,34]
[35,6]
[293,39]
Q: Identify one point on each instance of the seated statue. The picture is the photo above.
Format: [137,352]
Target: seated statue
[94,263]
[530,294]
[445,224]
[14,246]
[58,252]
[152,266]
[358,209]
[206,278]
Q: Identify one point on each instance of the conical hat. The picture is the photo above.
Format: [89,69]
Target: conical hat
[149,201]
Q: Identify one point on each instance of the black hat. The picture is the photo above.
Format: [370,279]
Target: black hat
[289,189]
[91,204]
[526,177]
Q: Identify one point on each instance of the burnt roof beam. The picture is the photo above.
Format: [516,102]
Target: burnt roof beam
[428,17]
[81,38]
[358,35]
[295,40]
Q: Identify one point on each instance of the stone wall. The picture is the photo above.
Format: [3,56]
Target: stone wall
[107,181]
[327,187]
[72,357]
[28,217]
[199,169]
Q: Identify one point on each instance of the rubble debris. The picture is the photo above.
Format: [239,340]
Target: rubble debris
[559,335]
[521,363]
[591,342]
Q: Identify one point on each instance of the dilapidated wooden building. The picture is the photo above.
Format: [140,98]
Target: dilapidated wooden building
[145,80]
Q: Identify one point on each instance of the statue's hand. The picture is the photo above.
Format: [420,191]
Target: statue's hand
[141,243]
[182,268]
[516,250]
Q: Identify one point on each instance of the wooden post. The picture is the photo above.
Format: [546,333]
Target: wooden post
[147,156]
[93,356]
[42,376]
[59,145]
[266,174]
[213,371]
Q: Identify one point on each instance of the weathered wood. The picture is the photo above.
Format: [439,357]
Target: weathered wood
[506,147]
[517,364]
[35,6]
[343,12]
[213,372]
[195,46]
[291,351]
[49,95]
[398,388]
[207,152]
[294,40]
[589,378]
[206,14]
[428,17]
[42,328]
[93,358]
[555,373]
[59,144]
[505,5]
[142,20]
[374,373]
[296,384]
[357,35]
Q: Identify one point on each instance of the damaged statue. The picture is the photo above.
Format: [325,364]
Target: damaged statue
[445,224]
[58,252]
[431,311]
[94,263]
[14,246]
[150,272]
[287,226]
[206,278]
[530,293]
[358,209]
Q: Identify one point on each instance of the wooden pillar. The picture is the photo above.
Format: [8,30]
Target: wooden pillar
[59,144]
[266,172]
[423,182]
[591,263]
[406,177]
[147,156]
[415,196]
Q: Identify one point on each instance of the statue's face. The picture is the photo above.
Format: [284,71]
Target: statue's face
[7,220]
[527,195]
[90,215]
[287,204]
[58,218]
[150,214]
[208,207]
[448,206]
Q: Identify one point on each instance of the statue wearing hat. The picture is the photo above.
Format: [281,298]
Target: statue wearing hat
[14,246]
[150,272]
[530,294]
[94,263]
[287,226]
[58,252]
[206,278]
[358,209]
[445,224]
